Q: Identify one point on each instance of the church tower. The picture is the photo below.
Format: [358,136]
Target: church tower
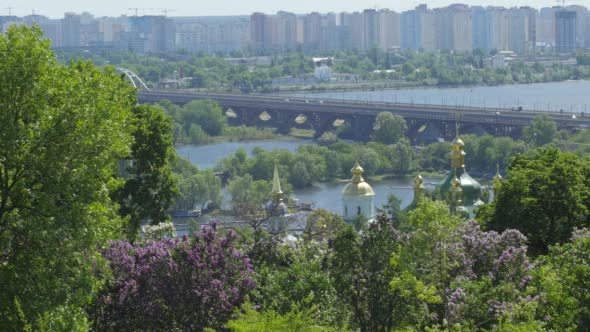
[358,197]
[276,207]
[470,188]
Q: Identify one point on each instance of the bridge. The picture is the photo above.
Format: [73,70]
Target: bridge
[425,122]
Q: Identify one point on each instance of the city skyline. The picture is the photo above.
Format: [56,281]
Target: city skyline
[57,9]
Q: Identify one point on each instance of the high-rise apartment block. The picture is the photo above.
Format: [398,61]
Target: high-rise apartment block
[457,28]
[565,31]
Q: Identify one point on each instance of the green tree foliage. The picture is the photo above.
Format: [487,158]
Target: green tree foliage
[197,189]
[583,59]
[380,296]
[484,152]
[205,113]
[401,157]
[213,72]
[323,225]
[389,128]
[62,130]
[300,280]
[245,190]
[542,131]
[545,197]
[196,121]
[563,278]
[435,157]
[313,163]
[251,320]
[150,187]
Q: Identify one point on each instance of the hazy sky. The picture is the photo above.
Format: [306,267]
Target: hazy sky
[56,8]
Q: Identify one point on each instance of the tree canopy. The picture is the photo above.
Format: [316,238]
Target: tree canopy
[62,131]
[389,128]
[545,196]
[150,187]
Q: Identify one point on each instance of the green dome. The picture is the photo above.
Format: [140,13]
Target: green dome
[471,188]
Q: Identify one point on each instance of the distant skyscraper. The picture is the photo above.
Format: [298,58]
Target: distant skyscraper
[70,30]
[462,28]
[418,29]
[499,22]
[546,26]
[354,25]
[258,32]
[444,28]
[581,13]
[52,30]
[370,29]
[480,28]
[152,34]
[565,31]
[287,31]
[410,30]
[389,29]
[312,31]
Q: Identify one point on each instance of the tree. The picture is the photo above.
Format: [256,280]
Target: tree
[563,277]
[401,156]
[299,176]
[542,131]
[196,189]
[244,190]
[545,196]
[251,320]
[389,128]
[184,284]
[205,113]
[488,278]
[380,295]
[323,225]
[62,131]
[150,188]
[301,281]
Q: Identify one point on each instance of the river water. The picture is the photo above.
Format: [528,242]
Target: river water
[326,195]
[570,96]
[207,156]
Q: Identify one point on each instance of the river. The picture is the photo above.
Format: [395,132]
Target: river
[207,156]
[570,96]
[326,195]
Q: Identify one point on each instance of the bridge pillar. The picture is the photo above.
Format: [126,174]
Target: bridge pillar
[362,127]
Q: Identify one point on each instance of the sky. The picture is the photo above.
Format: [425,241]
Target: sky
[56,8]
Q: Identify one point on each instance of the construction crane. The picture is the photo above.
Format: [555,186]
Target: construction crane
[166,11]
[9,10]
[136,10]
[562,3]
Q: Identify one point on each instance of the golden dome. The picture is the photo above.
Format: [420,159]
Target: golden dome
[357,169]
[358,189]
[458,142]
[418,182]
[358,186]
[456,184]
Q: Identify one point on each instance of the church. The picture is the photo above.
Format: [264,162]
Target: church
[462,193]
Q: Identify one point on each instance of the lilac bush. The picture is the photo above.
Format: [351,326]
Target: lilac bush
[490,275]
[177,283]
